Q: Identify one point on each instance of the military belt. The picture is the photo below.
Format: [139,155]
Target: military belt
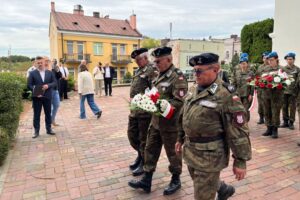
[204,139]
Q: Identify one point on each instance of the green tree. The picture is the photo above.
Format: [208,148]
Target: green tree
[150,43]
[255,39]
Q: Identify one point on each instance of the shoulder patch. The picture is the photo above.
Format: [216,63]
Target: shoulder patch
[229,87]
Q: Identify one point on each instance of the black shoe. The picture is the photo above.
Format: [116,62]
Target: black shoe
[144,183]
[110,95]
[268,131]
[291,125]
[35,135]
[98,114]
[298,143]
[139,170]
[106,95]
[225,191]
[173,186]
[275,132]
[136,163]
[285,124]
[50,132]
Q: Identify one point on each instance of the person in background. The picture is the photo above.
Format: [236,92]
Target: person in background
[55,94]
[108,77]
[33,67]
[86,91]
[98,75]
[63,82]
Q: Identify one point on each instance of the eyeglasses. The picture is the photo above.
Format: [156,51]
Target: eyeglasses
[198,72]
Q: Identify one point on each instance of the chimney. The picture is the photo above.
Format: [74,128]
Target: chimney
[78,10]
[52,6]
[132,21]
[96,14]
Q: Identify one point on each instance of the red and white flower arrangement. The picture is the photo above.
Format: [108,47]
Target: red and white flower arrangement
[152,102]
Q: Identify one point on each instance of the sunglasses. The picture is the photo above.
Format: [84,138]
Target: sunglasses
[198,72]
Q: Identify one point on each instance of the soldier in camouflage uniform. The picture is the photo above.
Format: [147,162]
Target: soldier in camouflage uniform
[212,121]
[240,82]
[138,120]
[298,100]
[260,90]
[272,99]
[290,93]
[172,86]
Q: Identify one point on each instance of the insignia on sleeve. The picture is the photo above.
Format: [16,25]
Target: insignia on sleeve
[181,78]
[181,93]
[238,119]
[213,88]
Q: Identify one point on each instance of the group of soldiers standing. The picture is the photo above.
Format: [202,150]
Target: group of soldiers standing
[209,120]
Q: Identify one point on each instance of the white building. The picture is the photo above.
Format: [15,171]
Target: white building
[286,35]
[232,47]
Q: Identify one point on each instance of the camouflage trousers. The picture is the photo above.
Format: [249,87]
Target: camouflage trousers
[289,107]
[272,106]
[247,105]
[137,132]
[260,102]
[155,140]
[206,184]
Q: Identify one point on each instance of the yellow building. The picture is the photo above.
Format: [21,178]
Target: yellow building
[75,37]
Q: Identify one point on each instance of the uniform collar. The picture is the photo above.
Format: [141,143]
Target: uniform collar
[166,74]
[211,90]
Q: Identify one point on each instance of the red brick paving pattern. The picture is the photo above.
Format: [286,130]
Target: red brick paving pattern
[88,159]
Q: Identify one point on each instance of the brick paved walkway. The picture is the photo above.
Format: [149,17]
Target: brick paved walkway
[88,159]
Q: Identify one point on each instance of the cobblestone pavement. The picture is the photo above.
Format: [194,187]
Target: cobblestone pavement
[88,159]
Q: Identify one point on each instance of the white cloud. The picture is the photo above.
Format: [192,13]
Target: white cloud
[24,24]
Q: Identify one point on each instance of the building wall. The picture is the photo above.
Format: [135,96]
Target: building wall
[232,46]
[286,35]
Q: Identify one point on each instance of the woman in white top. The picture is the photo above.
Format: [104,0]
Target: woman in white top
[86,91]
[98,75]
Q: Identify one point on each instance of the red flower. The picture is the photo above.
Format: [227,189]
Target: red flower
[256,83]
[269,78]
[261,85]
[257,77]
[249,79]
[279,86]
[155,97]
[269,85]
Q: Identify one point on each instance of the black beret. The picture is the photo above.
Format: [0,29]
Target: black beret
[161,51]
[204,59]
[137,52]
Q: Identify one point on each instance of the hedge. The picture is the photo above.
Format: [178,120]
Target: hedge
[11,90]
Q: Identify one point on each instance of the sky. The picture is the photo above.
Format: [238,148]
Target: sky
[24,24]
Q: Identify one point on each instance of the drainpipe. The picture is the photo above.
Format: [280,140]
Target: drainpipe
[62,45]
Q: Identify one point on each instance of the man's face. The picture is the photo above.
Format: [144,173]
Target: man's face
[40,64]
[205,74]
[273,62]
[83,62]
[290,61]
[141,61]
[162,63]
[243,65]
[46,63]
[265,60]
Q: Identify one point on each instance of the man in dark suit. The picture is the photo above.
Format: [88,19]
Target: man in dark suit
[45,78]
[108,77]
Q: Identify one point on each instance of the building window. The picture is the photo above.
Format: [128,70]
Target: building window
[188,60]
[135,47]
[122,72]
[227,54]
[70,47]
[98,48]
[114,52]
[80,50]
[122,49]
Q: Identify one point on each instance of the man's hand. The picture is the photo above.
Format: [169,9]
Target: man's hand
[40,96]
[178,148]
[45,87]
[239,173]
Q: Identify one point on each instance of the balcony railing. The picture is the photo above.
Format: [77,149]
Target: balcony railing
[76,58]
[120,59]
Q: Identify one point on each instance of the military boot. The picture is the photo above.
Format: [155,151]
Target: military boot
[268,132]
[225,191]
[144,183]
[174,185]
[291,125]
[136,163]
[285,124]
[275,132]
[261,119]
[139,170]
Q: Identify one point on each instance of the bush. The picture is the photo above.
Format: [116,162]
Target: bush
[11,90]
[71,83]
[127,78]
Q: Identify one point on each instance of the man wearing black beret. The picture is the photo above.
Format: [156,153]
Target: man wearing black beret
[138,120]
[211,122]
[172,86]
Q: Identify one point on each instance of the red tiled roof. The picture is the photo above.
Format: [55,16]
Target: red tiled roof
[65,21]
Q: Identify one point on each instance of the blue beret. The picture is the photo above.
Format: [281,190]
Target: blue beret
[291,54]
[273,54]
[243,59]
[137,52]
[244,55]
[204,59]
[161,51]
[266,53]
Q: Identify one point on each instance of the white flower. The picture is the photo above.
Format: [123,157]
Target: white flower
[277,79]
[288,82]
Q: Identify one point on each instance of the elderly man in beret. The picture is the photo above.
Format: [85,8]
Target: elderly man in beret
[138,120]
[290,93]
[172,86]
[212,122]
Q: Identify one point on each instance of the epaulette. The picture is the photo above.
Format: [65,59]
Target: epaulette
[229,87]
[178,71]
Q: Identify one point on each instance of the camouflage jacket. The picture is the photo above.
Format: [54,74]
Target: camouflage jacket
[267,92]
[241,84]
[172,86]
[292,72]
[214,112]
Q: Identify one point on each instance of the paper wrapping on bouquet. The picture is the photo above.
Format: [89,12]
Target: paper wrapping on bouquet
[253,101]
[153,94]
[168,113]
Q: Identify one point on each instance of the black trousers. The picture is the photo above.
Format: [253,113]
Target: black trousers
[37,104]
[63,88]
[107,85]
